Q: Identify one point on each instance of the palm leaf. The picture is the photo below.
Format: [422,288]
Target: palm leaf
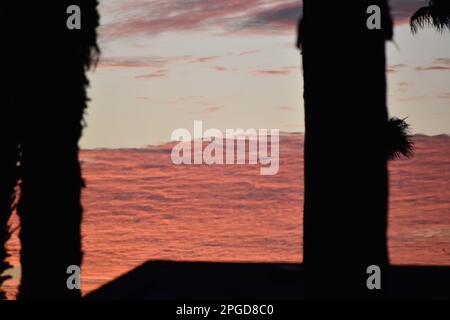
[437,15]
[399,139]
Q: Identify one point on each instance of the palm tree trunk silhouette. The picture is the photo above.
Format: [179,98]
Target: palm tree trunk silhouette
[49,207]
[346,179]
[50,63]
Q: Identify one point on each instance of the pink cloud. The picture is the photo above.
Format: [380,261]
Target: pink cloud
[151,17]
[276,71]
[204,59]
[413,98]
[140,62]
[286,108]
[273,72]
[445,96]
[405,84]
[157,62]
[397,67]
[224,69]
[154,75]
[445,61]
[147,18]
[432,68]
[246,53]
[402,10]
[206,110]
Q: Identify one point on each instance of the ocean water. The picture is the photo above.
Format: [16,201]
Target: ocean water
[140,206]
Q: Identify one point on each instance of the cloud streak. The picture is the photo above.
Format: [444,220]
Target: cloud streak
[140,62]
[157,62]
[153,17]
[445,96]
[402,10]
[445,61]
[432,68]
[158,74]
[135,20]
[271,72]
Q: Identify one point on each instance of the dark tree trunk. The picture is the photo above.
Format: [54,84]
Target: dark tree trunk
[50,205]
[49,62]
[346,180]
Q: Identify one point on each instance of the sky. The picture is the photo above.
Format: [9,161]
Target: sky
[233,64]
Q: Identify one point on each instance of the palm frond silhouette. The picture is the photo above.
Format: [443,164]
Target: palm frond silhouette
[436,14]
[399,139]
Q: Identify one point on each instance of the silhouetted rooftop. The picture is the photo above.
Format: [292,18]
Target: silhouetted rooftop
[165,280]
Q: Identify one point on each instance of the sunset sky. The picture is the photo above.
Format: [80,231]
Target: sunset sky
[234,64]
